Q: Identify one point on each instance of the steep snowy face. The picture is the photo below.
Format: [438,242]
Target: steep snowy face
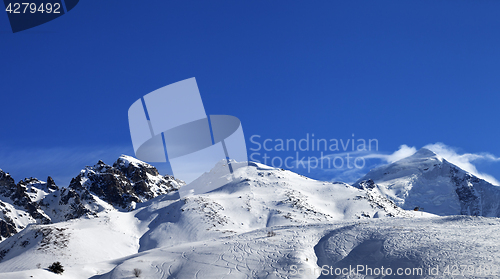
[429,182]
[36,189]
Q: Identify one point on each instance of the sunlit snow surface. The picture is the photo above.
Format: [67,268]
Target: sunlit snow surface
[265,223]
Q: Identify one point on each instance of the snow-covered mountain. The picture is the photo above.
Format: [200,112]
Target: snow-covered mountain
[429,182]
[97,188]
[263,223]
[255,198]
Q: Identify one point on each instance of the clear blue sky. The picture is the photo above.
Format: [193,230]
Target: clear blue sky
[401,72]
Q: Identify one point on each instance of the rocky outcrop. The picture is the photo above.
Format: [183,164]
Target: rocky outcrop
[19,206]
[127,182]
[106,182]
[121,186]
[145,179]
[7,184]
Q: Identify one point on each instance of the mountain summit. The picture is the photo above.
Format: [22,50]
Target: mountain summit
[128,182]
[95,189]
[427,181]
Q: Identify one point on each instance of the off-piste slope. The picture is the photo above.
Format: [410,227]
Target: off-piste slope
[444,247]
[255,197]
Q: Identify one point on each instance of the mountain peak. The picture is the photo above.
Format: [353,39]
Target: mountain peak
[424,153]
[426,180]
[126,160]
[127,182]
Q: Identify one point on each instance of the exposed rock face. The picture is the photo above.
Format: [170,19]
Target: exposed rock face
[127,182]
[51,185]
[99,187]
[68,203]
[367,184]
[19,205]
[6,228]
[106,182]
[7,189]
[470,191]
[145,179]
[8,186]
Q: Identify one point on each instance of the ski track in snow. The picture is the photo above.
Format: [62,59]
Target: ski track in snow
[393,242]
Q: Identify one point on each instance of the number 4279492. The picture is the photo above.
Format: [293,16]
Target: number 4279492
[22,8]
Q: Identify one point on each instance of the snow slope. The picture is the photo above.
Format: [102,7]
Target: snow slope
[82,241]
[445,247]
[256,197]
[454,247]
[256,200]
[422,248]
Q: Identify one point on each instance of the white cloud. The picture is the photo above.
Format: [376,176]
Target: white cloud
[349,174]
[450,154]
[464,161]
[403,152]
